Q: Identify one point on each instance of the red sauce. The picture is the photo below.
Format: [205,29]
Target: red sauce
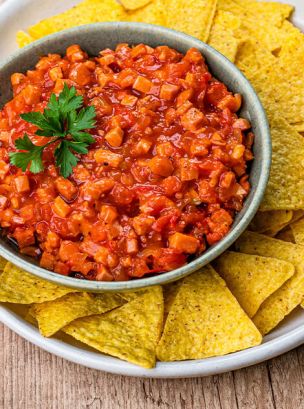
[163,181]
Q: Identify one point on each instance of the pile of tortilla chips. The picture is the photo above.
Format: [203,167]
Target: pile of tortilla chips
[250,289]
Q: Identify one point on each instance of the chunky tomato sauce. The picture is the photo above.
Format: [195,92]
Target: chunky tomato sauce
[162,182]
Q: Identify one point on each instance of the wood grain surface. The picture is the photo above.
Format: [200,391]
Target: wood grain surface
[34,379]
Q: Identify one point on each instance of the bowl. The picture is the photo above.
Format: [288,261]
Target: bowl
[95,37]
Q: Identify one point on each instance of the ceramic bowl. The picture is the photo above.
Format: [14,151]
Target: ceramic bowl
[95,37]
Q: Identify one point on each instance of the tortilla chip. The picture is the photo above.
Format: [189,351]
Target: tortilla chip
[86,12]
[281,303]
[134,4]
[254,243]
[23,39]
[18,286]
[54,315]
[285,189]
[130,332]
[205,320]
[252,279]
[297,229]
[170,292]
[193,17]
[222,36]
[131,295]
[264,221]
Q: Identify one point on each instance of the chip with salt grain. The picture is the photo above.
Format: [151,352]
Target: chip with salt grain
[170,292]
[130,332]
[276,307]
[264,221]
[18,286]
[222,36]
[54,315]
[251,278]
[205,320]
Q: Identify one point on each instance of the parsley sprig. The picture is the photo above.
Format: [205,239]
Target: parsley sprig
[65,121]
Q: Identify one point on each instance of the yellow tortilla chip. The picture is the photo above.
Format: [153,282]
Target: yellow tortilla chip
[88,11]
[54,315]
[3,263]
[193,17]
[130,332]
[254,243]
[264,221]
[222,34]
[297,229]
[281,303]
[205,320]
[18,286]
[285,189]
[134,4]
[252,279]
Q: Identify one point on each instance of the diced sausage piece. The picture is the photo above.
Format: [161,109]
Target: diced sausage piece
[242,124]
[55,73]
[161,166]
[67,248]
[4,168]
[142,224]
[31,94]
[80,74]
[188,170]
[60,207]
[131,246]
[168,91]
[142,84]
[115,136]
[17,78]
[232,102]
[142,147]
[184,243]
[25,237]
[75,53]
[66,188]
[129,100]
[108,213]
[3,202]
[184,96]
[22,184]
[103,274]
[47,260]
[192,119]
[102,106]
[108,158]
[102,255]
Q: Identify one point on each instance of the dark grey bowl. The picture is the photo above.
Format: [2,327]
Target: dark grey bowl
[95,37]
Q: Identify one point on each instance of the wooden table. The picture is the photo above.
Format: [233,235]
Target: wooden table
[34,379]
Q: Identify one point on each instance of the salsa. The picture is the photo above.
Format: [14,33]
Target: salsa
[164,179]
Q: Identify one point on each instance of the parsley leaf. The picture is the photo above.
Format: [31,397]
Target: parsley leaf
[64,120]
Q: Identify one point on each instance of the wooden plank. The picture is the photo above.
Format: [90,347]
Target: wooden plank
[30,376]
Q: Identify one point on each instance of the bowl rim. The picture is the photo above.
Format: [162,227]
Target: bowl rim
[213,251]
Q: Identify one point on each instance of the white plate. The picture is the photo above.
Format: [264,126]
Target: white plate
[19,14]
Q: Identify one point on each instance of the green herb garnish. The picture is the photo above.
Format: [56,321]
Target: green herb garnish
[64,120]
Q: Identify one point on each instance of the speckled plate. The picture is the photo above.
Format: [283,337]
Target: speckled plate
[16,14]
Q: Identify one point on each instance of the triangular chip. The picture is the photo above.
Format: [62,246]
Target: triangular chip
[205,320]
[170,292]
[222,35]
[134,4]
[18,286]
[3,263]
[281,303]
[252,279]
[274,219]
[153,13]
[54,315]
[259,244]
[130,332]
